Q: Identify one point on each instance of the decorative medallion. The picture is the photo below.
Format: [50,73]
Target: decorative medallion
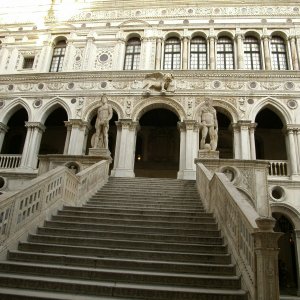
[292,104]
[37,103]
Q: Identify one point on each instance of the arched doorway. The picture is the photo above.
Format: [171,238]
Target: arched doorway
[287,263]
[225,141]
[112,134]
[54,137]
[157,145]
[269,138]
[15,137]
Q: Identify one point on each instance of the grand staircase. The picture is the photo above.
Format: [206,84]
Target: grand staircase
[137,238]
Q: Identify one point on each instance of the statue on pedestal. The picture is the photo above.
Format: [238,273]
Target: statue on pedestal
[209,125]
[104,114]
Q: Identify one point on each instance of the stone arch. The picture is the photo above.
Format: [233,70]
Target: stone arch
[199,34]
[226,108]
[88,112]
[51,106]
[225,33]
[289,211]
[172,34]
[59,38]
[280,33]
[275,105]
[12,107]
[253,33]
[158,102]
[132,35]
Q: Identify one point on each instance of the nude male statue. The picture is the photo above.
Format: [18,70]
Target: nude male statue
[209,124]
[104,114]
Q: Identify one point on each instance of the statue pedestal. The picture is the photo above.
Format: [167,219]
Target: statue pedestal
[99,152]
[210,154]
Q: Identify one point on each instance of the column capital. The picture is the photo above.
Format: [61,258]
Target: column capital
[121,40]
[240,36]
[188,125]
[211,37]
[76,123]
[266,37]
[185,38]
[127,124]
[37,125]
[291,128]
[3,127]
[292,37]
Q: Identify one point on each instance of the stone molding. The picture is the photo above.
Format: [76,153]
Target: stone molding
[37,125]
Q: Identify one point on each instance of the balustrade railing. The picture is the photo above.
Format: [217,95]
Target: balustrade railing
[278,168]
[25,209]
[10,161]
[250,237]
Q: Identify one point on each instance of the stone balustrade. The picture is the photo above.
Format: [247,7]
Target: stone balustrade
[250,237]
[278,168]
[22,211]
[10,161]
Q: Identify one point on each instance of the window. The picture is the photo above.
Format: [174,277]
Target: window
[198,57]
[278,50]
[225,59]
[132,54]
[28,62]
[58,57]
[252,53]
[172,59]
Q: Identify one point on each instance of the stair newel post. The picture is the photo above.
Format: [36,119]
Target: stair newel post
[266,264]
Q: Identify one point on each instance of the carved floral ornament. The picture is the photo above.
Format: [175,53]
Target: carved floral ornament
[187,12]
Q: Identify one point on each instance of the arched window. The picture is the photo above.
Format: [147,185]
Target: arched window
[58,56]
[279,58]
[132,54]
[225,60]
[198,51]
[252,53]
[172,54]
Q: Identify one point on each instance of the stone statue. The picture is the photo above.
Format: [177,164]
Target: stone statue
[158,81]
[104,114]
[209,125]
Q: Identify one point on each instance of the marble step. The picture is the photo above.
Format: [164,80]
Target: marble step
[81,250]
[133,229]
[123,275]
[130,236]
[132,291]
[203,224]
[135,217]
[114,263]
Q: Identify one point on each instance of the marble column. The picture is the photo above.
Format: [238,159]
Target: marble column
[252,140]
[69,54]
[298,150]
[267,57]
[292,155]
[185,51]
[240,51]
[125,148]
[236,141]
[146,62]
[32,144]
[295,58]
[67,142]
[189,146]
[45,57]
[245,148]
[121,56]
[158,53]
[75,144]
[3,130]
[212,56]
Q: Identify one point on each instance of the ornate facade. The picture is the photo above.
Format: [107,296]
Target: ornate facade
[56,63]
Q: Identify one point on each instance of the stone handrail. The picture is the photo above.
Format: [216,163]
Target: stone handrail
[24,210]
[250,238]
[10,161]
[278,168]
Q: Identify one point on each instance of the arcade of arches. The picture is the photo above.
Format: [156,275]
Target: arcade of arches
[157,142]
